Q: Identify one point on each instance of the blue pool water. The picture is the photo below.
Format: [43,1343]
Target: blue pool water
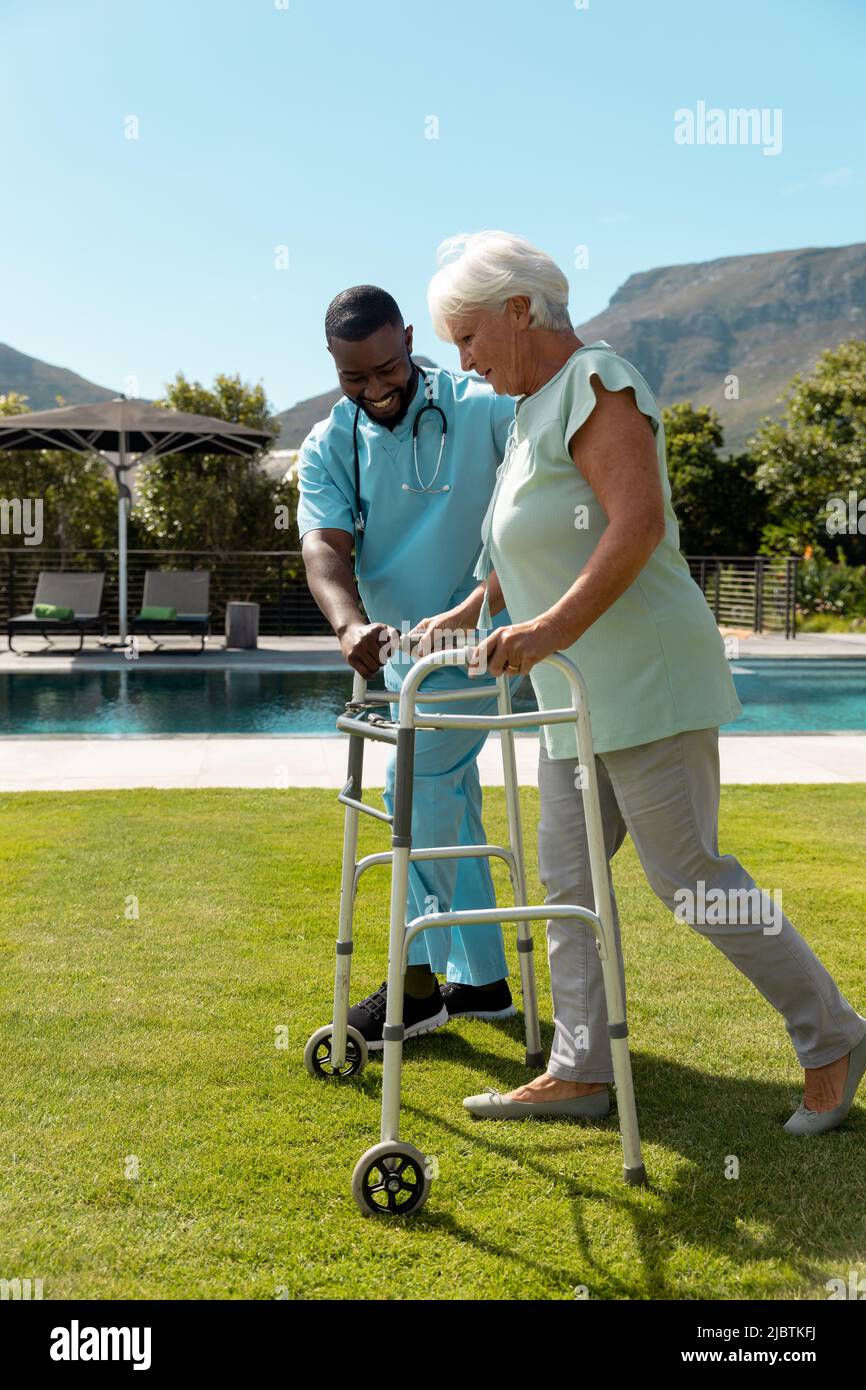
[800,695]
[785,695]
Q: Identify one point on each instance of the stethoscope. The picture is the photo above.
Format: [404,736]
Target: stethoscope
[429,404]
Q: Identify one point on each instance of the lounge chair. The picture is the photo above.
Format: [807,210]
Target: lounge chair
[82,592]
[186,591]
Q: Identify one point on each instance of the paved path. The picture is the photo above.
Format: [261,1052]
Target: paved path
[72,764]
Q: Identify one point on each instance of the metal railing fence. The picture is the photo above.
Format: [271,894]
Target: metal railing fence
[753,592]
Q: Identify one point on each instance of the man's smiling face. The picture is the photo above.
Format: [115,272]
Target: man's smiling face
[377,372]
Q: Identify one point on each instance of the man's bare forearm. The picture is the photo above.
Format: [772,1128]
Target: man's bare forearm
[331,578]
[331,581]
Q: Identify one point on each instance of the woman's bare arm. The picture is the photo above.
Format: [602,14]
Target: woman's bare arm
[615,451]
[463,618]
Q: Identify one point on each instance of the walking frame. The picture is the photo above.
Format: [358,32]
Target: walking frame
[393,1177]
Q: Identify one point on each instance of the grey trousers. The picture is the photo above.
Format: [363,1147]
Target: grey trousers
[665,794]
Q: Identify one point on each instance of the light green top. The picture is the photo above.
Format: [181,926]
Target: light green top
[654,662]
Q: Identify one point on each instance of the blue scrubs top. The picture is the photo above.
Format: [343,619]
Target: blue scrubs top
[418,549]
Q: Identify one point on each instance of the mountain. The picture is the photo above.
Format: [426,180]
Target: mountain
[41,382]
[761,318]
[298,420]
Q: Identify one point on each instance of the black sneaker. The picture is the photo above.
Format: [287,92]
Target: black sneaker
[419,1015]
[470,1001]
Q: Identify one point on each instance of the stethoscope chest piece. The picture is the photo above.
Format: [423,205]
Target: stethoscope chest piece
[422,488]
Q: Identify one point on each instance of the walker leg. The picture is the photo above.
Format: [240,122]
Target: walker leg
[525,945]
[633,1169]
[534,1056]
[343,967]
[401,841]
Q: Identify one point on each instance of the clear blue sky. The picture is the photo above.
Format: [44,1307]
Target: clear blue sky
[304,126]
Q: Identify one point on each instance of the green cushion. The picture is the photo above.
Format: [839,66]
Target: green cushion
[153,613]
[53,610]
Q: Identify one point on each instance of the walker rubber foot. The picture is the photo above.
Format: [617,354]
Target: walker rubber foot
[635,1177]
[534,1059]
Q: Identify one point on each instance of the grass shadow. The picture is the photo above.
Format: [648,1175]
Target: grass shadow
[796,1202]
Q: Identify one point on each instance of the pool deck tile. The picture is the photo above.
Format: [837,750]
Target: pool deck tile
[323,653]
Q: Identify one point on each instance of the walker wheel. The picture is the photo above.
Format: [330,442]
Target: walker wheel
[392,1179]
[317,1054]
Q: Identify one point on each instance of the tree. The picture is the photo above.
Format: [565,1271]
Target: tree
[79,501]
[213,501]
[817,453]
[717,504]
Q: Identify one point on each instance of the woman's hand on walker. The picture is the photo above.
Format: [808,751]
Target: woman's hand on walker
[456,621]
[514,649]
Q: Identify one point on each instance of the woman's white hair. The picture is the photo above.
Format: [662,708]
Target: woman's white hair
[483,270]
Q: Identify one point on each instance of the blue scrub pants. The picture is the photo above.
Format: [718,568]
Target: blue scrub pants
[446,810]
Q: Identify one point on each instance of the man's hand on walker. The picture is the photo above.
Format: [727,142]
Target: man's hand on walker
[367,646]
[513,650]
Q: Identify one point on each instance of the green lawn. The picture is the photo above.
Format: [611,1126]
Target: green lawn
[150,1045]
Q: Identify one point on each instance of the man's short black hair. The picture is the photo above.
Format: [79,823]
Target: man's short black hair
[360,311]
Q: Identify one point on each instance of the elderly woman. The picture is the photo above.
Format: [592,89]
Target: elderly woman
[580,542]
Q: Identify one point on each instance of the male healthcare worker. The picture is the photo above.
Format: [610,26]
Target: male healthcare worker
[423,496]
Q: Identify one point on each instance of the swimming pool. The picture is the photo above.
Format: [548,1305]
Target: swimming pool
[782,695]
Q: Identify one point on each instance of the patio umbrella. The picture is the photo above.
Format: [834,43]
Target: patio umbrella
[126,433]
